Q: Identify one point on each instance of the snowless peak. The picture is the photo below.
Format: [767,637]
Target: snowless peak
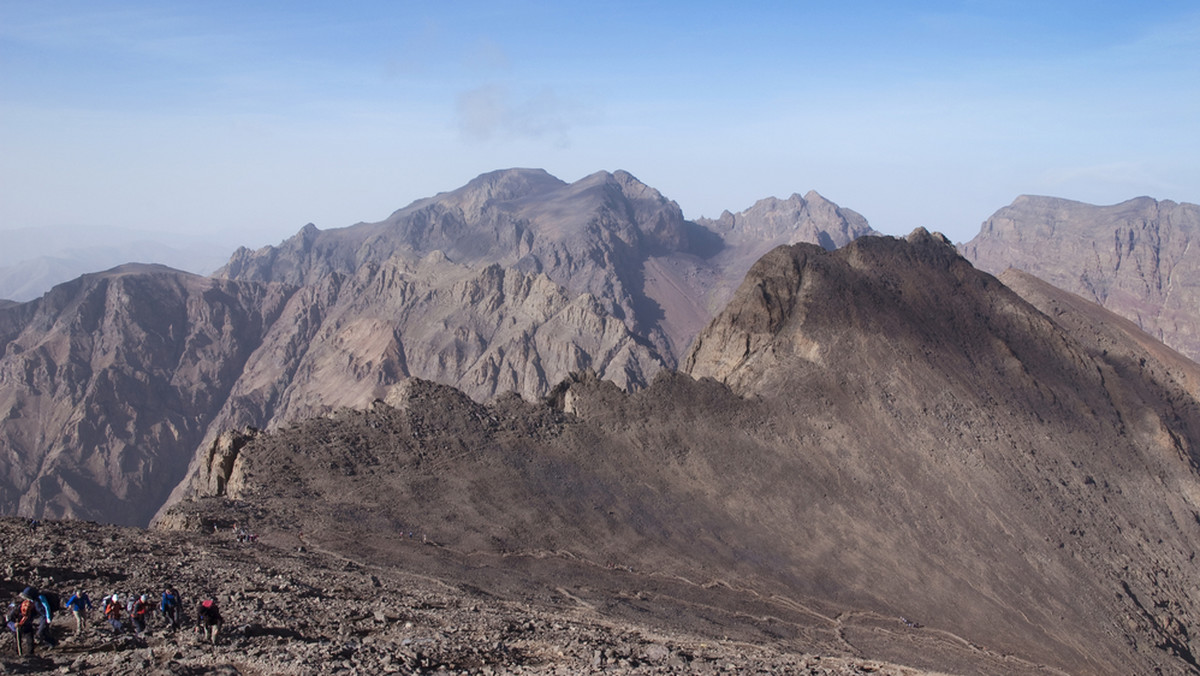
[921,235]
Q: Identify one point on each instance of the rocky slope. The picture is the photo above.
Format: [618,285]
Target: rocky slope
[308,612]
[108,383]
[487,331]
[869,440]
[1133,258]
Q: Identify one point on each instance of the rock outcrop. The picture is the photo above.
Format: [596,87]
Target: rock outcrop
[1133,258]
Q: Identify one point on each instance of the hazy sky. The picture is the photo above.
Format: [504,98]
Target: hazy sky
[258,117]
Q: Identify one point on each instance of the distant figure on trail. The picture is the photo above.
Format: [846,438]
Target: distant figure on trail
[139,613]
[79,604]
[112,613]
[208,619]
[169,607]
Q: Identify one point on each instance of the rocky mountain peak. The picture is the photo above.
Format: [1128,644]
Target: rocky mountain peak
[796,302]
[810,218]
[1133,257]
[500,186]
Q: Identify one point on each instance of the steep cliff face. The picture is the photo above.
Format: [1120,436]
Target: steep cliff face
[487,331]
[107,385]
[591,236]
[1133,258]
[607,235]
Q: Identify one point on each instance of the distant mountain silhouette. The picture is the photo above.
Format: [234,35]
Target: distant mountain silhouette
[35,259]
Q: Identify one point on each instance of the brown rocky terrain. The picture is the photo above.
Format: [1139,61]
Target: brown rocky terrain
[879,452]
[311,612]
[1133,258]
[108,383]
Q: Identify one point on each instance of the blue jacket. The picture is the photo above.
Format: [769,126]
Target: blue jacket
[79,602]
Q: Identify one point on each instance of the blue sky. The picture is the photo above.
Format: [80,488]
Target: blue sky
[252,119]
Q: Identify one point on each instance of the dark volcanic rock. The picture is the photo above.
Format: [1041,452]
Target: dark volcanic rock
[1133,258]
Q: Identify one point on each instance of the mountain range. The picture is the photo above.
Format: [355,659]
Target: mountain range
[109,383]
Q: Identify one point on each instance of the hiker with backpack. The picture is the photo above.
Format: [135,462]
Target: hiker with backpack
[139,612]
[34,620]
[48,603]
[208,619]
[112,613]
[170,606]
[79,604]
[26,622]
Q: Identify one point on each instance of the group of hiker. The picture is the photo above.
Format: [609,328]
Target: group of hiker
[242,535]
[30,618]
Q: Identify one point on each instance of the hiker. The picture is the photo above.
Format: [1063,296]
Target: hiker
[79,604]
[33,621]
[138,612]
[208,619]
[25,623]
[46,603]
[112,613]
[169,607]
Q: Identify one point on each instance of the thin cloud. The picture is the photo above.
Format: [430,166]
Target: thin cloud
[494,112]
